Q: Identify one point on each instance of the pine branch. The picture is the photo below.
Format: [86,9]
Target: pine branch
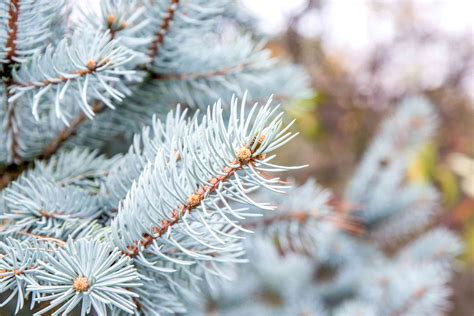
[163,30]
[202,75]
[13,13]
[114,26]
[185,222]
[221,70]
[41,207]
[69,131]
[11,126]
[84,73]
[303,217]
[244,160]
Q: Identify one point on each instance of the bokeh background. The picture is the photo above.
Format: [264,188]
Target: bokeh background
[363,56]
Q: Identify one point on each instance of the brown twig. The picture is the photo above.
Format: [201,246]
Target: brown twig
[60,242]
[201,75]
[342,222]
[161,33]
[13,13]
[11,126]
[69,131]
[91,67]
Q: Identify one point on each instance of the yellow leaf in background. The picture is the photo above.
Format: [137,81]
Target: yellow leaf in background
[468,236]
[425,169]
[448,184]
[422,168]
[305,113]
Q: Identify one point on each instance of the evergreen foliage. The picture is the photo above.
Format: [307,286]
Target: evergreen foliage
[373,254]
[161,228]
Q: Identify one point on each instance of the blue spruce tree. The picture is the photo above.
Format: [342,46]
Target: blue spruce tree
[163,227]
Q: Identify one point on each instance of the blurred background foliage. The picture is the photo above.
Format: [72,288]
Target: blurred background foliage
[364,56]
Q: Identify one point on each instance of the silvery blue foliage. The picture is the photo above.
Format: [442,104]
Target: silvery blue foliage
[383,168]
[18,267]
[160,229]
[45,208]
[34,27]
[87,273]
[169,205]
[68,72]
[86,69]
[306,248]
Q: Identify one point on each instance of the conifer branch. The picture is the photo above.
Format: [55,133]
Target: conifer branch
[202,75]
[11,125]
[302,218]
[163,30]
[216,164]
[98,107]
[69,131]
[243,160]
[13,13]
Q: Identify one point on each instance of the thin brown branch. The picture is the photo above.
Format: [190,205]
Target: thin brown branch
[164,28]
[91,65]
[13,13]
[11,124]
[339,220]
[194,201]
[60,242]
[69,131]
[10,173]
[202,75]
[300,217]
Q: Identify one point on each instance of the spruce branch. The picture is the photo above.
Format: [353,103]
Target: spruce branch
[114,19]
[38,206]
[11,126]
[225,68]
[160,34]
[13,13]
[202,75]
[115,23]
[18,267]
[69,131]
[85,272]
[85,71]
[216,164]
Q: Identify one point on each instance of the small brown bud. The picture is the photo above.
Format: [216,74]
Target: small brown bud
[91,64]
[111,20]
[194,200]
[81,284]
[123,25]
[244,154]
